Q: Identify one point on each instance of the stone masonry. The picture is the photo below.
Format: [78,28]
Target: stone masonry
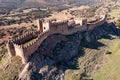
[17,46]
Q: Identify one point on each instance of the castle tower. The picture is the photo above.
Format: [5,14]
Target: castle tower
[10,48]
[40,25]
[83,22]
[23,55]
[104,16]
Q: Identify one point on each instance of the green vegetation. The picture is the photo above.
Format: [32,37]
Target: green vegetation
[92,55]
[111,69]
[118,24]
[3,59]
[115,13]
[1,35]
[3,50]
[11,68]
[2,43]
[23,15]
[84,13]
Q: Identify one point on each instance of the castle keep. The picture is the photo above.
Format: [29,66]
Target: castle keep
[23,46]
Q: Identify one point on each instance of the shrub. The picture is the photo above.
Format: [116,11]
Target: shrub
[2,43]
[118,24]
[108,52]
[1,35]
[3,50]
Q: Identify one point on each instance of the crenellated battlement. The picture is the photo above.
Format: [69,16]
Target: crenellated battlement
[58,23]
[25,45]
[24,38]
[31,43]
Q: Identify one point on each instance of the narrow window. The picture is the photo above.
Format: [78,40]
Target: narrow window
[44,28]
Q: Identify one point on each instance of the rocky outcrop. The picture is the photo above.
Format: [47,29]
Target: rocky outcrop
[46,66]
[99,32]
[62,52]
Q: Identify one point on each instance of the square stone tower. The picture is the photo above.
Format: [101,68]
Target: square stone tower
[44,26]
[40,25]
[83,22]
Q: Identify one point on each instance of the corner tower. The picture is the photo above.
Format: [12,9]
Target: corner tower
[10,48]
[83,21]
[40,25]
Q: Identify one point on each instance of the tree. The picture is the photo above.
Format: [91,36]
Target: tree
[118,24]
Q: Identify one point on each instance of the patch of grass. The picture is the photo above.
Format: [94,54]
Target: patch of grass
[115,13]
[86,63]
[3,59]
[2,35]
[111,70]
[11,69]
[118,24]
[3,50]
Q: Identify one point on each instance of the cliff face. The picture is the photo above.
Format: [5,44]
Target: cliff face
[62,53]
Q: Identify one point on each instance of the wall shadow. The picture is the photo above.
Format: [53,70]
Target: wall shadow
[92,45]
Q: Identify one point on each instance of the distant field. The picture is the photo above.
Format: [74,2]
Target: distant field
[111,70]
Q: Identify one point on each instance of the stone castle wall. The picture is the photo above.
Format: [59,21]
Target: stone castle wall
[16,46]
[58,27]
[24,38]
[19,51]
[10,48]
[33,46]
[91,26]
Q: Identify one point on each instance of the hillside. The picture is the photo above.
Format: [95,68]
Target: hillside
[54,1]
[111,70]
[84,55]
[65,1]
[70,58]
[7,5]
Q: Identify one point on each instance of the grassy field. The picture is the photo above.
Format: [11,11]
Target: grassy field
[111,69]
[115,13]
[93,55]
[11,68]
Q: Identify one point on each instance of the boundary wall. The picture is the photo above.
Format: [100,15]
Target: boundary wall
[18,46]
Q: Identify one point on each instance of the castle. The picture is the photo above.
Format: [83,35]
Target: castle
[23,46]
